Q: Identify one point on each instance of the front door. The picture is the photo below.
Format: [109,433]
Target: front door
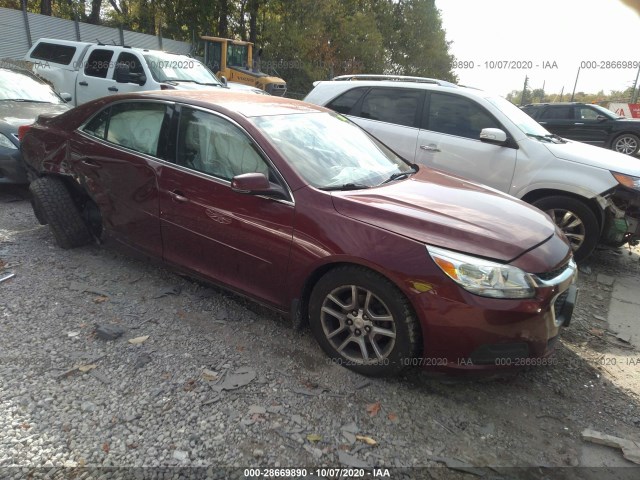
[450,141]
[241,240]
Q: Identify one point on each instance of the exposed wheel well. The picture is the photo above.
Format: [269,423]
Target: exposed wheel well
[535,195]
[87,207]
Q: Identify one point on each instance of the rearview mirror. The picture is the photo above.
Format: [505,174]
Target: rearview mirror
[223,80]
[493,135]
[256,184]
[67,97]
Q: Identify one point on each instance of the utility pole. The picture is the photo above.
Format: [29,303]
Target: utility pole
[524,90]
[634,95]
[542,94]
[575,85]
[562,93]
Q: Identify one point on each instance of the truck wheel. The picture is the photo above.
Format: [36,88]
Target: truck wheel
[53,205]
[576,220]
[626,143]
[364,322]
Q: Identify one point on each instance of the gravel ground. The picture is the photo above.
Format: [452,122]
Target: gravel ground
[203,378]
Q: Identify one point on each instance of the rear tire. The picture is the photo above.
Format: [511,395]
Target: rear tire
[53,205]
[576,220]
[381,338]
[627,144]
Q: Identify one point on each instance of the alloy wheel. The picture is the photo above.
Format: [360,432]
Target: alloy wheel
[570,224]
[358,324]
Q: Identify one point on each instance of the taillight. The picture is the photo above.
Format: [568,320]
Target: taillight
[22,130]
[164,86]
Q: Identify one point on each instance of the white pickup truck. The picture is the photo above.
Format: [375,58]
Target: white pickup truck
[82,71]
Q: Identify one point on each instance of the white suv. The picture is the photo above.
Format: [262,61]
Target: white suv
[592,194]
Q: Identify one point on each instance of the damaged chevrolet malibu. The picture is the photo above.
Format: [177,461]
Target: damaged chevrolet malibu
[390,264]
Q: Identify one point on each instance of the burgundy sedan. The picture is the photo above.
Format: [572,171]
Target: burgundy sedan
[290,204]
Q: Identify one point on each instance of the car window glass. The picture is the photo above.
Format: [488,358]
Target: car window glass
[135,67]
[52,52]
[98,63]
[345,102]
[458,116]
[136,126]
[213,145]
[587,113]
[391,105]
[97,126]
[558,113]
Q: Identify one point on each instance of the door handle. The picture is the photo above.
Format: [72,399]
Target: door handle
[83,83]
[90,163]
[579,123]
[112,89]
[178,196]
[430,148]
[542,123]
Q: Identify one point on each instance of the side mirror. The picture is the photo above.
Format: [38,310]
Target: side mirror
[121,73]
[600,118]
[255,184]
[223,80]
[493,135]
[67,97]
[139,78]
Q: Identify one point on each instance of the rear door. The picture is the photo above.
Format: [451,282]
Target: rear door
[450,141]
[559,119]
[117,155]
[390,114]
[238,239]
[95,76]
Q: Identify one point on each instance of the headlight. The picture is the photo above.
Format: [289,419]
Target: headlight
[483,277]
[627,180]
[6,143]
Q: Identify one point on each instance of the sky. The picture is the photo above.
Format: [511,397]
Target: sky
[545,40]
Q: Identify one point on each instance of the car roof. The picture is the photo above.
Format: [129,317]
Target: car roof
[246,104]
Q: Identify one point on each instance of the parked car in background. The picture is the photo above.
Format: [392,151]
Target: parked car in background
[23,97]
[588,123]
[592,194]
[87,71]
[296,207]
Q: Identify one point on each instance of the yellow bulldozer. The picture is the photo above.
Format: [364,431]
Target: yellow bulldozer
[234,60]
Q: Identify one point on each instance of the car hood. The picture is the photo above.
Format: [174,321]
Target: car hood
[14,114]
[595,156]
[447,211]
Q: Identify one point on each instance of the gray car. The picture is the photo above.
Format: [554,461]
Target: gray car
[23,97]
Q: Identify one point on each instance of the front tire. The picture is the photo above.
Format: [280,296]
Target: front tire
[364,322]
[576,220]
[627,144]
[53,204]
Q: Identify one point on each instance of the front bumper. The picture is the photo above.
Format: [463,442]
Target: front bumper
[12,169]
[466,332]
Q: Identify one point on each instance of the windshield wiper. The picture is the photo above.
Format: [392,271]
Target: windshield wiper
[346,186]
[399,175]
[556,137]
[192,81]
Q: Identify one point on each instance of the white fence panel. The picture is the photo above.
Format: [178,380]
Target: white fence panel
[13,36]
[43,26]
[95,33]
